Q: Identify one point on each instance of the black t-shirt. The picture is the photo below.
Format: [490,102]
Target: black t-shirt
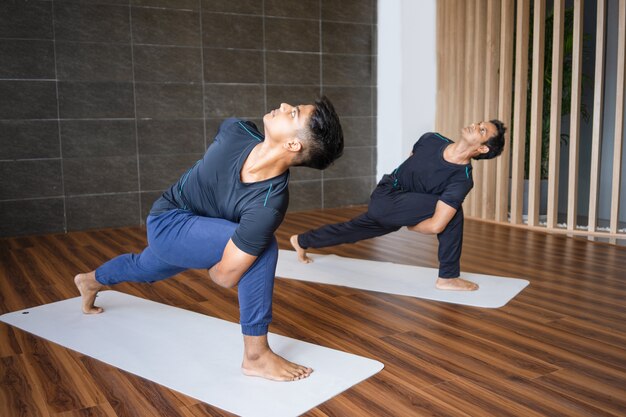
[213,188]
[426,171]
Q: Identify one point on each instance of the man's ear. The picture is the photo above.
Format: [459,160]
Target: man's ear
[483,149]
[293,145]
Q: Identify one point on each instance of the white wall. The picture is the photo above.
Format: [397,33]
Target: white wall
[407,83]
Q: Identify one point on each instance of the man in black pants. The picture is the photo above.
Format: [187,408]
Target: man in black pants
[424,194]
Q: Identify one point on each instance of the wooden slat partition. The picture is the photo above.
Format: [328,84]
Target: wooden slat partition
[619,120]
[468,102]
[491,103]
[536,113]
[555,113]
[574,132]
[519,109]
[483,79]
[598,101]
[504,107]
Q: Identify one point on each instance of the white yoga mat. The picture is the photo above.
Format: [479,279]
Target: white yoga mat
[194,354]
[391,278]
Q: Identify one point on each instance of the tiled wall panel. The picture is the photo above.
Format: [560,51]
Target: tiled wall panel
[104,103]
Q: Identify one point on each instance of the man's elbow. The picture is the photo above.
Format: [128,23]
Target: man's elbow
[225,279]
[438,228]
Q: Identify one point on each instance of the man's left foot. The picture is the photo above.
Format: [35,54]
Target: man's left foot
[455,284]
[88,288]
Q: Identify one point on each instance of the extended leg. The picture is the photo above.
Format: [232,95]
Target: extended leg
[177,240]
[360,228]
[143,267]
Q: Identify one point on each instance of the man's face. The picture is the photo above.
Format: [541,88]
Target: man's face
[478,133]
[285,121]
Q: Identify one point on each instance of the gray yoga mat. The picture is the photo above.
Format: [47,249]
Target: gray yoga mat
[391,278]
[197,355]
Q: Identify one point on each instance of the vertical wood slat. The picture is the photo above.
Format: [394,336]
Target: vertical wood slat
[460,57]
[441,80]
[555,113]
[536,113]
[441,69]
[619,119]
[519,112]
[469,89]
[574,136]
[478,106]
[448,10]
[452,11]
[452,97]
[598,100]
[491,103]
[504,107]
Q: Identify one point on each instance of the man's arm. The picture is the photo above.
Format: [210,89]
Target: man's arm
[436,224]
[234,263]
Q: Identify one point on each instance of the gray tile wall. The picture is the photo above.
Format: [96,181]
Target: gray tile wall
[104,103]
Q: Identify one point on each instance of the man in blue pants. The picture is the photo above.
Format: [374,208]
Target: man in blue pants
[424,194]
[221,215]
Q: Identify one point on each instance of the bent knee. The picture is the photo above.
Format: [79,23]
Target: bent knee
[378,214]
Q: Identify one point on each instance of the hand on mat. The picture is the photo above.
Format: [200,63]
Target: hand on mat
[299,250]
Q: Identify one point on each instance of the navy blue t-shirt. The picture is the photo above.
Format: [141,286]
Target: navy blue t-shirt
[213,188]
[426,171]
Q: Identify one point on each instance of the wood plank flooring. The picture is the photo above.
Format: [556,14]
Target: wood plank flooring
[557,349]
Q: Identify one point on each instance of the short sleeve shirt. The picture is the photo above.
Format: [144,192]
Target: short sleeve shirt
[426,171]
[213,188]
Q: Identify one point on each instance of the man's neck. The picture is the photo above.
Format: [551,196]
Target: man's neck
[458,153]
[263,162]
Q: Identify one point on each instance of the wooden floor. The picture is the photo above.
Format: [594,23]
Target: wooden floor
[557,349]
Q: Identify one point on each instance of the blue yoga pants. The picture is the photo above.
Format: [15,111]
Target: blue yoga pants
[179,240]
[389,210]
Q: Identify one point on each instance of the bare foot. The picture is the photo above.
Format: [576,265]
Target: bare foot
[299,250]
[88,288]
[259,360]
[455,284]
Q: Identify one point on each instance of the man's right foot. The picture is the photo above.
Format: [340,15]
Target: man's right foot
[302,257]
[271,366]
[455,284]
[259,360]
[88,288]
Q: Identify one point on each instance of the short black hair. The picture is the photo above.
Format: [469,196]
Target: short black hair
[324,136]
[494,143]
